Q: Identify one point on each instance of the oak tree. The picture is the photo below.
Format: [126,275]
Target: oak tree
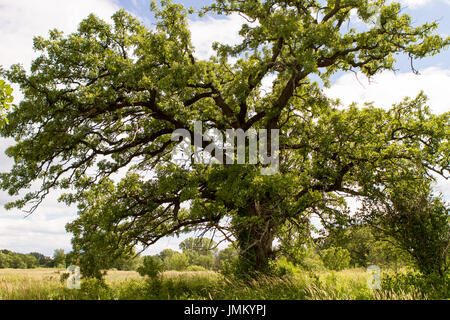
[106,99]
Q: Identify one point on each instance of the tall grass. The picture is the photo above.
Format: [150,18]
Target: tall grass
[45,284]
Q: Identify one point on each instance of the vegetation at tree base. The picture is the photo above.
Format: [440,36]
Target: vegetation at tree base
[419,223]
[311,275]
[151,266]
[336,258]
[44,284]
[109,96]
[366,247]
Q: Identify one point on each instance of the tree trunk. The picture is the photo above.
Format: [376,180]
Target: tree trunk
[255,235]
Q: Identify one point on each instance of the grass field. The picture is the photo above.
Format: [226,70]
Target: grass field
[45,284]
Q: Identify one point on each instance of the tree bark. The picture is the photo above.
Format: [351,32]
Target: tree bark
[255,234]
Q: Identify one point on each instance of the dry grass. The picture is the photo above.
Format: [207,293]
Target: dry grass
[206,275]
[45,284]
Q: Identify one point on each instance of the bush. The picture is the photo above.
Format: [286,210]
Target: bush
[306,258]
[418,222]
[94,289]
[418,285]
[177,261]
[336,258]
[285,267]
[151,266]
[231,268]
[195,268]
[205,261]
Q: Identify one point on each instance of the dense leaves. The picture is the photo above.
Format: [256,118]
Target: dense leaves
[5,101]
[418,222]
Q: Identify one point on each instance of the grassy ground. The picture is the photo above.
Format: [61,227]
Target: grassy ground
[45,284]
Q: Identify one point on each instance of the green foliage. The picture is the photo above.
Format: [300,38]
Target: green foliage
[306,257]
[59,258]
[122,90]
[200,252]
[177,261]
[17,262]
[387,255]
[166,253]
[418,285]
[4,260]
[228,262]
[418,222]
[207,261]
[127,263]
[365,247]
[202,246]
[30,261]
[42,260]
[9,259]
[231,269]
[94,289]
[227,255]
[336,258]
[285,267]
[151,266]
[195,268]
[6,100]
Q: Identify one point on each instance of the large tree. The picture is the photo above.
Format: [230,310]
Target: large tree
[107,98]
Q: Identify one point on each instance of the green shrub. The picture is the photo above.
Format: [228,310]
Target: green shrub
[336,258]
[418,285]
[310,260]
[285,267]
[151,266]
[92,289]
[177,261]
[230,268]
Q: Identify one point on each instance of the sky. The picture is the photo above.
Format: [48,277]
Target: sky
[21,20]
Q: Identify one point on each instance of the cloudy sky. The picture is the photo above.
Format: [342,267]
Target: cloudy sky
[20,20]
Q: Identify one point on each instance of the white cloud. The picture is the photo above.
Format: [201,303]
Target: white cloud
[442,186]
[20,21]
[43,231]
[388,88]
[414,4]
[208,30]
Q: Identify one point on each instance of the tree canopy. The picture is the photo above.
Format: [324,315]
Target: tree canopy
[199,245]
[107,98]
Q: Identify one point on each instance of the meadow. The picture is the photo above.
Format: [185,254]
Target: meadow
[46,284]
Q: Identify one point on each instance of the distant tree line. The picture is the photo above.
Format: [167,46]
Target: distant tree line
[14,260]
[9,259]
